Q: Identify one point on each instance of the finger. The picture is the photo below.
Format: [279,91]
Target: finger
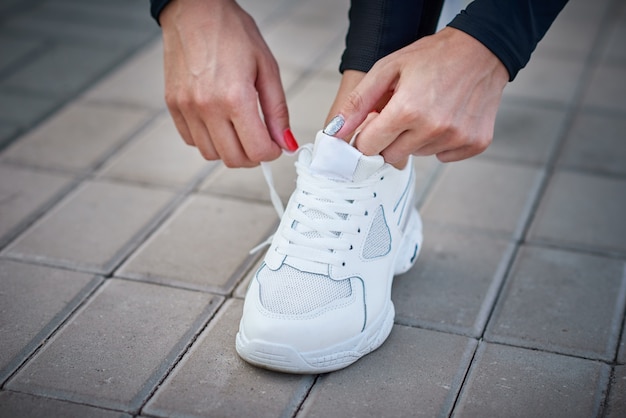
[202,139]
[253,136]
[401,147]
[181,125]
[355,136]
[364,98]
[458,154]
[274,105]
[381,132]
[229,146]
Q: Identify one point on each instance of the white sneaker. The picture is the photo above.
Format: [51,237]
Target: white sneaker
[322,298]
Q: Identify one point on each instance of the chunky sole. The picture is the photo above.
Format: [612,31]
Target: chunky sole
[287,359]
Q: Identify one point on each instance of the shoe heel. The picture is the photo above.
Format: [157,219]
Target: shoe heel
[411,244]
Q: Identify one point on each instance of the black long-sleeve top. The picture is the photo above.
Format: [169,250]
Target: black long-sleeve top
[511,29]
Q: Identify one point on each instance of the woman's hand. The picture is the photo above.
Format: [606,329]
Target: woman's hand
[218,70]
[443,94]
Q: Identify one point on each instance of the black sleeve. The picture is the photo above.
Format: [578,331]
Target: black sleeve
[156,6]
[380,27]
[511,29]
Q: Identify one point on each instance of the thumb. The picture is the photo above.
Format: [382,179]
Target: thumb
[360,102]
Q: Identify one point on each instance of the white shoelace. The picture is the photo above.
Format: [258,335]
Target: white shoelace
[324,213]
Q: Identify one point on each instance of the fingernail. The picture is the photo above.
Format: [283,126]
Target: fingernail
[290,141]
[334,125]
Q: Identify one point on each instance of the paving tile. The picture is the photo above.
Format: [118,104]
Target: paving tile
[112,14]
[482,194]
[7,132]
[547,78]
[249,183]
[242,288]
[92,228]
[77,138]
[621,357]
[34,301]
[415,372]
[578,10]
[563,302]
[63,70]
[204,245]
[606,89]
[614,51]
[323,13]
[300,51]
[23,194]
[8,6]
[568,38]
[582,211]
[14,404]
[211,380]
[426,171]
[116,349]
[69,28]
[24,110]
[596,143]
[515,382]
[15,49]
[158,157]
[453,285]
[329,63]
[262,11]
[309,107]
[139,81]
[616,406]
[525,133]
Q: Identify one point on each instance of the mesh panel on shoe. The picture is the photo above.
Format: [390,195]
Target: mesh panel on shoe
[378,241]
[289,291]
[366,167]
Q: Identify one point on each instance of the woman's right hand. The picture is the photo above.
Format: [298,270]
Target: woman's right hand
[218,70]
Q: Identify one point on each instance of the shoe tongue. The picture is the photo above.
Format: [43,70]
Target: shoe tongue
[336,160]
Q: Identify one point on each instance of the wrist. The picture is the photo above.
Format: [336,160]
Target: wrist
[484,59]
[175,10]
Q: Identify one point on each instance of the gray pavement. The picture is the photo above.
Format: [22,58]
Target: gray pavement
[124,256]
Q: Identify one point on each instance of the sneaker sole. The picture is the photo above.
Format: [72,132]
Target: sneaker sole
[287,359]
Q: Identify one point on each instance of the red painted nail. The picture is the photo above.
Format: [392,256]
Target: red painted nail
[290,141]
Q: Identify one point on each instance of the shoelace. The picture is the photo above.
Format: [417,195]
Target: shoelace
[323,213]
[266,168]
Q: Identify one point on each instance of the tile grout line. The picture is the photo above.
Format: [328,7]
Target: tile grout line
[572,109]
[73,402]
[86,296]
[155,223]
[297,405]
[178,352]
[79,178]
[73,96]
[469,365]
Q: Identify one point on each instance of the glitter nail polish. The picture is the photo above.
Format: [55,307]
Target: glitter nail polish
[334,125]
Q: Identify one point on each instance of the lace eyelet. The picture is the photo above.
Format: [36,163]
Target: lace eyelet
[366,213]
[343,264]
[375,194]
[382,177]
[351,247]
[358,231]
